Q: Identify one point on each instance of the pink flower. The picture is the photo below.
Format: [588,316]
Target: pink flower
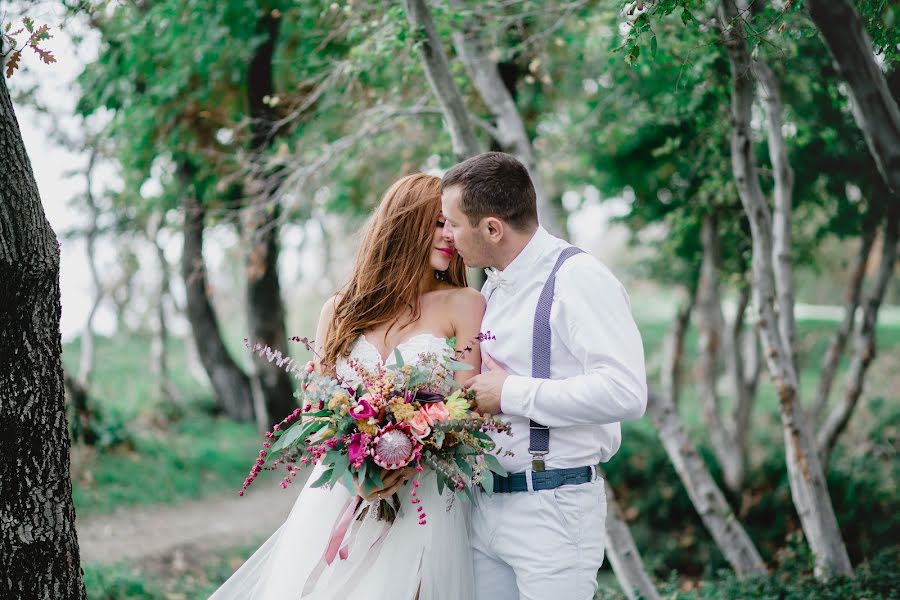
[419,424]
[363,410]
[358,448]
[394,448]
[436,411]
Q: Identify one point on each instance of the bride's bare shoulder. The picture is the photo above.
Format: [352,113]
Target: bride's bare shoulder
[466,303]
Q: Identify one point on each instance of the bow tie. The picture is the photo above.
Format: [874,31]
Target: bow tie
[496,279]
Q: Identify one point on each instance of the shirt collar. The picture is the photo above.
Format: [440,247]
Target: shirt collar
[521,265]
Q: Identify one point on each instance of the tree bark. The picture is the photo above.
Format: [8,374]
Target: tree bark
[864,345]
[511,131]
[437,70]
[708,500]
[230,385]
[842,334]
[711,325]
[159,362]
[39,555]
[673,350]
[623,553]
[744,365]
[874,108]
[807,481]
[265,307]
[782,237]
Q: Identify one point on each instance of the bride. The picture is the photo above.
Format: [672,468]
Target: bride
[407,293]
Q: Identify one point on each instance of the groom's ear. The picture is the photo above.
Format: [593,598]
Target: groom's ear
[493,228]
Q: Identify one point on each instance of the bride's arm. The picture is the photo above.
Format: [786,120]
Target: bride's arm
[466,311]
[326,316]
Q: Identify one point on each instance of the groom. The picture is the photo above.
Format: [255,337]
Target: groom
[564,366]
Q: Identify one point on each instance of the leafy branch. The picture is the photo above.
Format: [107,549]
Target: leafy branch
[35,36]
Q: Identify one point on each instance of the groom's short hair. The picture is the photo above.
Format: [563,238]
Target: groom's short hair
[494,184]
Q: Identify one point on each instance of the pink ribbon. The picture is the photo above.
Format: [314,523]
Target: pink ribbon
[340,530]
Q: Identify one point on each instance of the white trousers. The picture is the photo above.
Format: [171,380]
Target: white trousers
[544,545]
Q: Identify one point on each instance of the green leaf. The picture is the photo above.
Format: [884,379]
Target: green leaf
[398,358]
[325,478]
[653,45]
[348,482]
[441,483]
[494,465]
[464,466]
[487,482]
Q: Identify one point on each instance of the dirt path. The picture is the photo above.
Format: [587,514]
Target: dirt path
[159,532]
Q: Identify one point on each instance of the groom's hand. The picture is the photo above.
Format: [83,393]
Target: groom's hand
[488,386]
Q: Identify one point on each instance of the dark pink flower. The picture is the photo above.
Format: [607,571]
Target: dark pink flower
[363,410]
[358,448]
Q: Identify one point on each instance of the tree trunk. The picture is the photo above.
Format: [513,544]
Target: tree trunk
[39,556]
[673,350]
[437,70]
[808,487]
[510,128]
[230,385]
[839,341]
[265,307]
[874,108]
[744,366]
[782,237]
[159,363]
[708,500]
[709,311]
[864,345]
[623,553]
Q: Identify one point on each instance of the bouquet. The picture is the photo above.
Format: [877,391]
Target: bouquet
[396,419]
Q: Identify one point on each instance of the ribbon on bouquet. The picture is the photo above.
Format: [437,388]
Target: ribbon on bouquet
[337,546]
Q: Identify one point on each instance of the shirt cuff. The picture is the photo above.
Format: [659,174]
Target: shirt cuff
[515,395]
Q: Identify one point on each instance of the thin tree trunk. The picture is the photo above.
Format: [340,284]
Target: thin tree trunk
[159,363]
[265,307]
[782,237]
[744,375]
[86,358]
[230,385]
[437,70]
[708,500]
[864,345]
[839,341]
[623,553]
[874,109]
[808,487]
[709,311]
[673,350]
[39,555]
[511,131]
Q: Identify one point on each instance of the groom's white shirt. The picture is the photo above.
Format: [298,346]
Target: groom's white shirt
[597,363]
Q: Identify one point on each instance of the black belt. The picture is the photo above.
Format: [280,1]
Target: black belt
[542,480]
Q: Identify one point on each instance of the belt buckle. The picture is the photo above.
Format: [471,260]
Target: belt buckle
[537,460]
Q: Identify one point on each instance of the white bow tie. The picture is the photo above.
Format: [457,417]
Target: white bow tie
[496,279]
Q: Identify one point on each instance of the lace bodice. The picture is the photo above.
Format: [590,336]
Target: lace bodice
[366,354]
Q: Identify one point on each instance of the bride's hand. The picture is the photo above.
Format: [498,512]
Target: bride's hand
[393,481]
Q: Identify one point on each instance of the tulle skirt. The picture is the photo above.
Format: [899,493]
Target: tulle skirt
[377,560]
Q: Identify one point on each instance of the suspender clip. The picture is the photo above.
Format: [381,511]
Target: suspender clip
[537,460]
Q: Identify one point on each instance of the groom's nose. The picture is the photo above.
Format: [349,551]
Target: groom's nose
[448,233]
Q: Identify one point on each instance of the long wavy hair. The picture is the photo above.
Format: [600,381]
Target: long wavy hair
[393,256]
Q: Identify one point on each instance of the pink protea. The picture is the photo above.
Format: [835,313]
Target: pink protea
[394,447]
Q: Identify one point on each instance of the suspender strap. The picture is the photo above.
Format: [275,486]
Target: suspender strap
[539,443]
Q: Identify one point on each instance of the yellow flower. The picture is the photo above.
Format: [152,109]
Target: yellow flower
[338,399]
[457,405]
[367,427]
[402,411]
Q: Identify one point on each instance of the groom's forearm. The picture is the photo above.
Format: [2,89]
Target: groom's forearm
[596,398]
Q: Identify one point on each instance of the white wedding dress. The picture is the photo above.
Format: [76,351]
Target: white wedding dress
[378,561]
